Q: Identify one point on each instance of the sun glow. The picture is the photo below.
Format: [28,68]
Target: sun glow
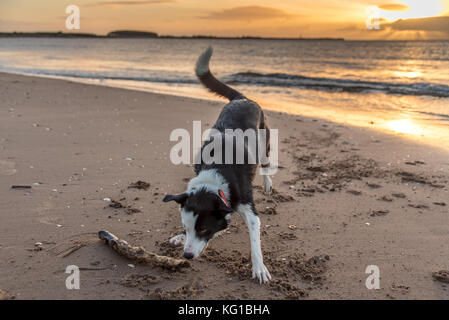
[416,9]
[405,126]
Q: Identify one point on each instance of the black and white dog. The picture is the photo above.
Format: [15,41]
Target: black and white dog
[220,189]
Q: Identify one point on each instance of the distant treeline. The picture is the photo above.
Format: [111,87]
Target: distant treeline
[136,34]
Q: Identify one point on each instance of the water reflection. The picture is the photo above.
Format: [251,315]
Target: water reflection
[405,126]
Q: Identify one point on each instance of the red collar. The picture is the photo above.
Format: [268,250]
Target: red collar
[223,198]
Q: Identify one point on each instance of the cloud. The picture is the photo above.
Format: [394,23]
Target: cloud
[439,24]
[393,7]
[127,3]
[247,13]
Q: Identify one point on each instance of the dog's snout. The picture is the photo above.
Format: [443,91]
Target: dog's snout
[188,255]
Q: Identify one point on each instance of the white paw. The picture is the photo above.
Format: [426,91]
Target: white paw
[261,272]
[267,184]
[178,240]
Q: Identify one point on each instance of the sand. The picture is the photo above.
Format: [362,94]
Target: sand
[345,198]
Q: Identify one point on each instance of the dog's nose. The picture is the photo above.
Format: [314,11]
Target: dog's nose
[188,255]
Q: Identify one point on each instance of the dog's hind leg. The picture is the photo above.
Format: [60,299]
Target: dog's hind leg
[267,183]
[179,239]
[246,211]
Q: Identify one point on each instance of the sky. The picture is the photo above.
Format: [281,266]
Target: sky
[398,19]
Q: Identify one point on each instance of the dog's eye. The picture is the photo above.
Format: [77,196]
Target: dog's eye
[202,231]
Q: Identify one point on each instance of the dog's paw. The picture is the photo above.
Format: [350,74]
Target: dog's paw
[178,240]
[267,184]
[261,273]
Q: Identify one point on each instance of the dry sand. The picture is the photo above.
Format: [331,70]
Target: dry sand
[345,198]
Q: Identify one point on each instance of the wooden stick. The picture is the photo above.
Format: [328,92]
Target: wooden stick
[139,254]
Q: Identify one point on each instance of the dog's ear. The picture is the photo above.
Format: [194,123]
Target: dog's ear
[179,198]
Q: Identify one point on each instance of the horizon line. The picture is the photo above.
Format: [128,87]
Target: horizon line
[154,35]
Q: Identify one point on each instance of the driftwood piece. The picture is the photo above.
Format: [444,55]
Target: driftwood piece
[139,254]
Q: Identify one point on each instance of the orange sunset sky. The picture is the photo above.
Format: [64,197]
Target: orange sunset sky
[401,19]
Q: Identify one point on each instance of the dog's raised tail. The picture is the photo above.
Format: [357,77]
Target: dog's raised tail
[209,81]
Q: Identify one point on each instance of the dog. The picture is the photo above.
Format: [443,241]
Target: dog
[218,190]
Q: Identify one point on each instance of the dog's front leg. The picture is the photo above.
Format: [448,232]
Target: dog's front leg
[253,223]
[267,184]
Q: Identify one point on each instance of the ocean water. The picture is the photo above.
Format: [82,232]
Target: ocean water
[401,87]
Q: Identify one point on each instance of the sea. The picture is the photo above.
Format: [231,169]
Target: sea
[399,87]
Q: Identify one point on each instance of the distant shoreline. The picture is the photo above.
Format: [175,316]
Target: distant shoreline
[151,35]
[143,35]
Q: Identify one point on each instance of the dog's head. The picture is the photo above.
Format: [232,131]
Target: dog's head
[204,214]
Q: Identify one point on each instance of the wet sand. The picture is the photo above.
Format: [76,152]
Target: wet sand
[345,198]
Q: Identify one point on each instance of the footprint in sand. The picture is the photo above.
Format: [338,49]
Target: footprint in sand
[7,168]
[43,210]
[53,221]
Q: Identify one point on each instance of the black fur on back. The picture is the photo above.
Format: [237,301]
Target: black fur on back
[238,114]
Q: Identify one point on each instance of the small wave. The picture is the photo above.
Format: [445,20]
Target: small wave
[124,78]
[281,80]
[334,84]
[439,116]
[97,75]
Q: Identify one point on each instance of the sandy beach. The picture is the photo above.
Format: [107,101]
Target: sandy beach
[344,198]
